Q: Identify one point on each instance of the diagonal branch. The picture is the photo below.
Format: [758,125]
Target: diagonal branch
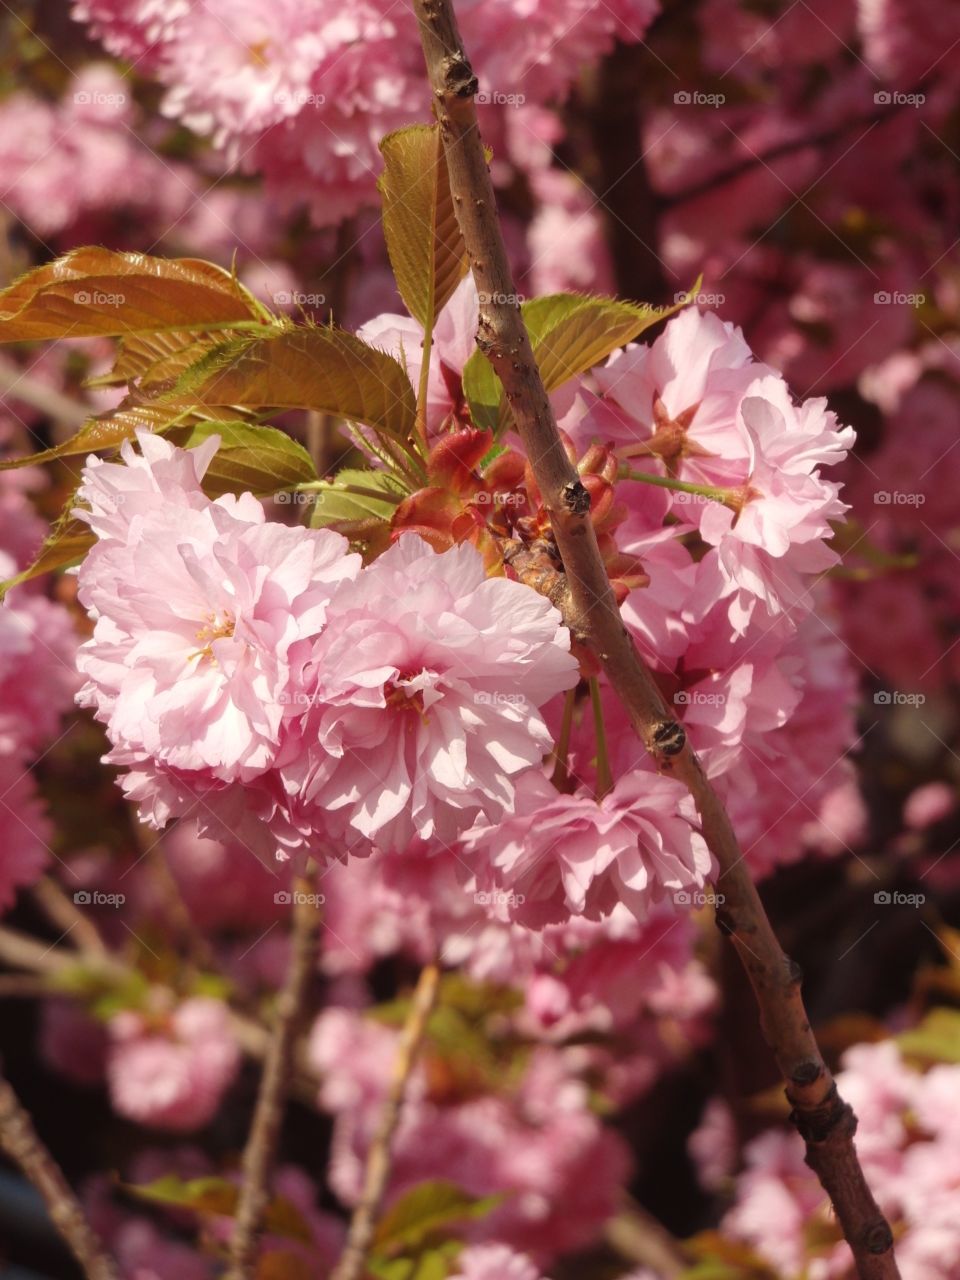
[826,1123]
[20,1141]
[351,1265]
[261,1149]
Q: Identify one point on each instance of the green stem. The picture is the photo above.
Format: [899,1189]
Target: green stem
[604,777]
[561,751]
[727,497]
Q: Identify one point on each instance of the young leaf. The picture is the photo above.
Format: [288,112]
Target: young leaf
[154,359]
[354,495]
[304,367]
[254,459]
[423,240]
[425,1209]
[569,333]
[217,1197]
[93,292]
[67,543]
[97,433]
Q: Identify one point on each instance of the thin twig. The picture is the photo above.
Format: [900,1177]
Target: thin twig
[261,1149]
[20,1141]
[62,911]
[380,1156]
[49,961]
[639,1237]
[826,1123]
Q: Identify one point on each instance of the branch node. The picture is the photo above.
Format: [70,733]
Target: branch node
[669,738]
[575,497]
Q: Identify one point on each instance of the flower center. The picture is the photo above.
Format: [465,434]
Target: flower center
[404,698]
[216,626]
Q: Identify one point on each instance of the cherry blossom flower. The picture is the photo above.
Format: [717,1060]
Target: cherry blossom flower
[427,682]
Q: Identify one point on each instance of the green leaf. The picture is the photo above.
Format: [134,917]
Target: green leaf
[936,1039]
[423,1211]
[435,1264]
[254,459]
[97,433]
[569,333]
[216,1197]
[423,239]
[353,495]
[483,392]
[94,292]
[303,367]
[66,544]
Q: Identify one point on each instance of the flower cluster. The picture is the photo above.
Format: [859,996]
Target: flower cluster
[253,676]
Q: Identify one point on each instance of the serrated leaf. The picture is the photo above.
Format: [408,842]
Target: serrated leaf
[250,459]
[152,360]
[424,1210]
[354,495]
[569,333]
[66,544]
[218,1198]
[94,292]
[97,433]
[423,239]
[304,367]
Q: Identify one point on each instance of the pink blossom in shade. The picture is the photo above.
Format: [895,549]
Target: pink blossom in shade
[223,886]
[71,1042]
[927,805]
[427,682]
[568,252]
[199,607]
[173,1073]
[494,1262]
[37,679]
[537,1140]
[25,831]
[570,854]
[713,1145]
[777,1199]
[453,344]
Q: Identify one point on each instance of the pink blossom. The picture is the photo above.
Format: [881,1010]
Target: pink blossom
[929,804]
[453,345]
[427,682]
[494,1262]
[563,854]
[25,831]
[172,1075]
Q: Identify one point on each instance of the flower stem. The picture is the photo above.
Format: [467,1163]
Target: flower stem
[711,492]
[604,781]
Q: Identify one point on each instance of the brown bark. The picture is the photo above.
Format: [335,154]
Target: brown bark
[824,1120]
